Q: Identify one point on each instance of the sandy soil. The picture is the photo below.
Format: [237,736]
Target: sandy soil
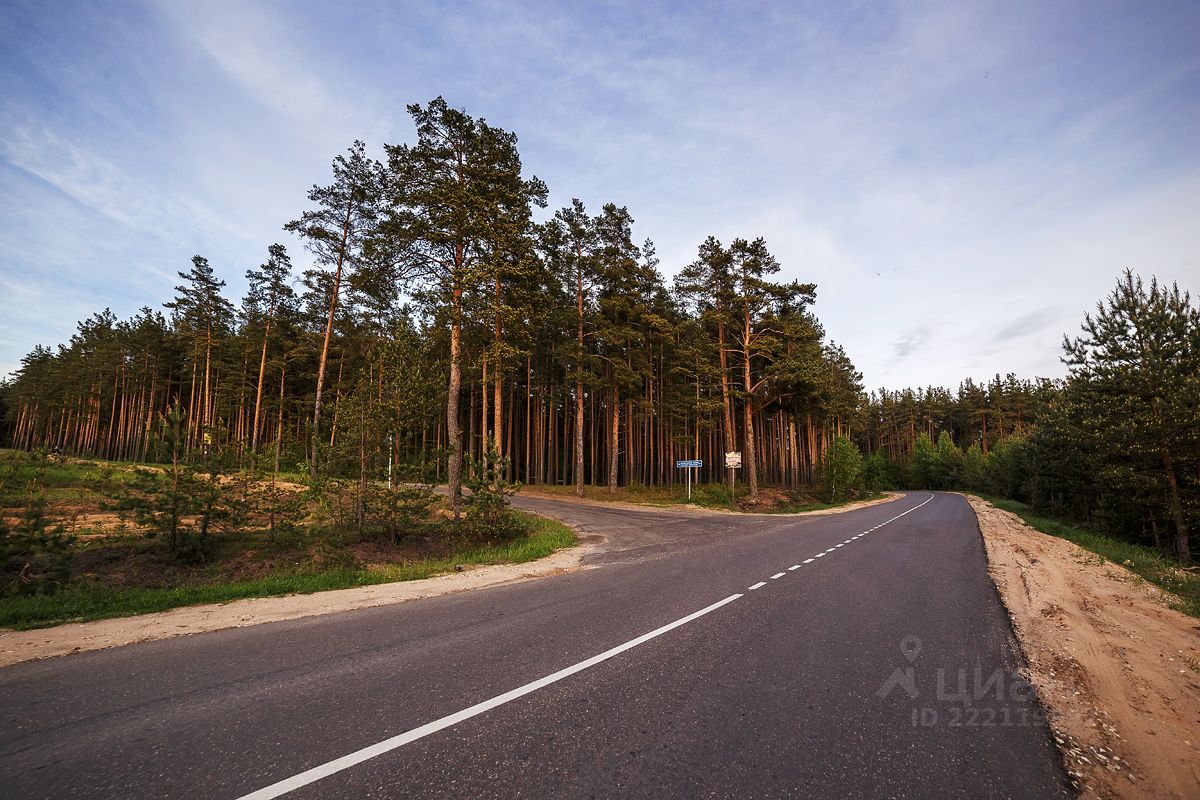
[1116,669]
[17,646]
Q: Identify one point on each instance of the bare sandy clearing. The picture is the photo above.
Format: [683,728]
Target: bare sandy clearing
[1116,669]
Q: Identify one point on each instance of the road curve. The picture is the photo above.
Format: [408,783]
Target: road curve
[864,654]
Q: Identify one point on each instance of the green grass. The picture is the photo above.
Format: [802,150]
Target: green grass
[788,508]
[1183,587]
[710,495]
[90,602]
[707,495]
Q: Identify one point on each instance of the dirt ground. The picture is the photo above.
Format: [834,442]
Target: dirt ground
[1116,669]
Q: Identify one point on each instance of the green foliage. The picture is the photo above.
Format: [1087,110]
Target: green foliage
[35,554]
[923,471]
[398,511]
[974,475]
[491,493]
[540,537]
[876,474]
[947,463]
[843,470]
[712,495]
[1134,397]
[179,501]
[1008,469]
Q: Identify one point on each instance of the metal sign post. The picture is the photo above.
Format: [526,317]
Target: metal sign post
[733,460]
[689,465]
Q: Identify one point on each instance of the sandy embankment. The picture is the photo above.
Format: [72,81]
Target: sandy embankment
[1116,669]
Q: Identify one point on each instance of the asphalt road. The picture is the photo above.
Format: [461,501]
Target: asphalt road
[884,667]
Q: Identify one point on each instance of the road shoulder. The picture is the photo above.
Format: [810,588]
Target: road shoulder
[1117,670]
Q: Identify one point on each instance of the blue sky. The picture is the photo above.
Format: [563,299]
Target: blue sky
[961,180]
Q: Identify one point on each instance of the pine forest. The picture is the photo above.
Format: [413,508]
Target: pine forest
[443,336]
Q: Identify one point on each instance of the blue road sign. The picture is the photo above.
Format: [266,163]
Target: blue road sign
[683,464]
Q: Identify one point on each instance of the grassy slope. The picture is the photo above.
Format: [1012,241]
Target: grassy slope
[703,495]
[1143,561]
[83,603]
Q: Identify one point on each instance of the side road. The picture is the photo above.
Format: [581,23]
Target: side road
[1117,670]
[608,533]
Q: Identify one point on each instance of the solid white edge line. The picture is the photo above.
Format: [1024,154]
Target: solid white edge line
[758,585]
[345,762]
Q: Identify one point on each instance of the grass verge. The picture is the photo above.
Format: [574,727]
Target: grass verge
[705,495]
[85,603]
[1146,562]
[787,508]
[708,495]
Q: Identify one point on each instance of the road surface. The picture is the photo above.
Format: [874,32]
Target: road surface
[863,654]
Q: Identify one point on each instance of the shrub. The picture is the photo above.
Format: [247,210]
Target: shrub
[842,470]
[35,556]
[876,473]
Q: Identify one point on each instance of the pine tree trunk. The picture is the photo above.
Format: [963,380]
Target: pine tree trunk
[484,388]
[579,491]
[498,388]
[726,404]
[206,410]
[1182,545]
[614,439]
[333,298]
[453,432]
[262,372]
[279,421]
[528,412]
[749,462]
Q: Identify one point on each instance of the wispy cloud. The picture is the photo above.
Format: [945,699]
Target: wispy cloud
[1028,324]
[911,342]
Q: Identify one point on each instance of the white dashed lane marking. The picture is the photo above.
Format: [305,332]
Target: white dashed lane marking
[779,575]
[387,745]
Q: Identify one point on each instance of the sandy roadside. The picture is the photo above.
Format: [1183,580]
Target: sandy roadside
[18,646]
[1116,669]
